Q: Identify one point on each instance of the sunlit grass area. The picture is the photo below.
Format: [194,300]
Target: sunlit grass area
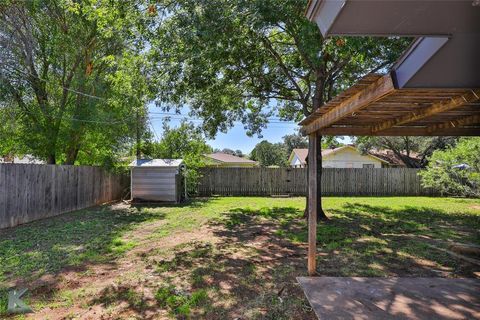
[226,257]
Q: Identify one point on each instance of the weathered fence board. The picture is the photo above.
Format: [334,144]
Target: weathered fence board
[293,181]
[30,192]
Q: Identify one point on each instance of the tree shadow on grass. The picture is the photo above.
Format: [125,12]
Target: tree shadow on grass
[249,271]
[46,246]
[359,240]
[365,240]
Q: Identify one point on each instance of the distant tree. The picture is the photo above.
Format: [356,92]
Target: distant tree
[228,151]
[294,141]
[269,154]
[455,170]
[186,142]
[405,147]
[237,152]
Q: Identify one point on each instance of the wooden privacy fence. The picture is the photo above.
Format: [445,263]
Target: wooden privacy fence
[30,192]
[293,181]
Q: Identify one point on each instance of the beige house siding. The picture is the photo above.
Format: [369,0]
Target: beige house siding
[349,158]
[343,157]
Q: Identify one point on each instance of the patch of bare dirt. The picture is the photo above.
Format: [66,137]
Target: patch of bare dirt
[131,270]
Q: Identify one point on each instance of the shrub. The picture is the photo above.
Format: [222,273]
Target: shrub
[455,171]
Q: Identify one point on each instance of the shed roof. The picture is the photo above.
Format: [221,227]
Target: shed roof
[156,163]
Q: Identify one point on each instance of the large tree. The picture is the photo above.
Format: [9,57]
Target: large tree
[71,75]
[243,60]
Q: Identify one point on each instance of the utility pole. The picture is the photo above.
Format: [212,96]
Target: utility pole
[138,136]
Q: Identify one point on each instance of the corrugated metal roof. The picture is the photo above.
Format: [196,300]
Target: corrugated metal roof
[156,163]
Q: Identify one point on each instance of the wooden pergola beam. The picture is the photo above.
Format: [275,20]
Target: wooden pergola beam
[401,131]
[378,89]
[314,148]
[434,109]
[465,121]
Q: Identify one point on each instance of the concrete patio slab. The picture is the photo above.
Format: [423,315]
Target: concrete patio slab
[392,298]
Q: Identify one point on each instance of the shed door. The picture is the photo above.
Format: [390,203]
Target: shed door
[157,184]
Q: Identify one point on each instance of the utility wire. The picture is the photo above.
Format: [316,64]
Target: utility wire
[65,88]
[153,128]
[275,119]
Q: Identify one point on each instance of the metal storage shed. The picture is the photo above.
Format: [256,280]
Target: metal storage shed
[156,179]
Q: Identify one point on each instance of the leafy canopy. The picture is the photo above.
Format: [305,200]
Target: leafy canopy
[456,170]
[71,78]
[244,60]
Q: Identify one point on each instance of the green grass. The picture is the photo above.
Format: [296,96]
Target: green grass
[95,235]
[364,237]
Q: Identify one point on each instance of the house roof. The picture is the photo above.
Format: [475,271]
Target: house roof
[300,153]
[156,163]
[228,158]
[393,159]
[27,159]
[303,153]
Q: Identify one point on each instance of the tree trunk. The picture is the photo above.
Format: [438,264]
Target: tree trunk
[51,159]
[320,213]
[321,216]
[71,155]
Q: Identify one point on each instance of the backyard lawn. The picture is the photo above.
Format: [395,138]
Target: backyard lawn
[224,258]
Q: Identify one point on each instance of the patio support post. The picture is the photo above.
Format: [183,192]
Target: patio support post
[314,148]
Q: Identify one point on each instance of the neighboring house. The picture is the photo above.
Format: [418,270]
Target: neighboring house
[298,158]
[342,157]
[220,159]
[27,159]
[394,160]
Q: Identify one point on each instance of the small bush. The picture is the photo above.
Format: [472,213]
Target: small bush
[180,303]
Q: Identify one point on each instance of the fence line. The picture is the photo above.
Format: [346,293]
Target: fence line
[30,192]
[293,181]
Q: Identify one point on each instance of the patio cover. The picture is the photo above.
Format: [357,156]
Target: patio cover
[433,89]
[374,107]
